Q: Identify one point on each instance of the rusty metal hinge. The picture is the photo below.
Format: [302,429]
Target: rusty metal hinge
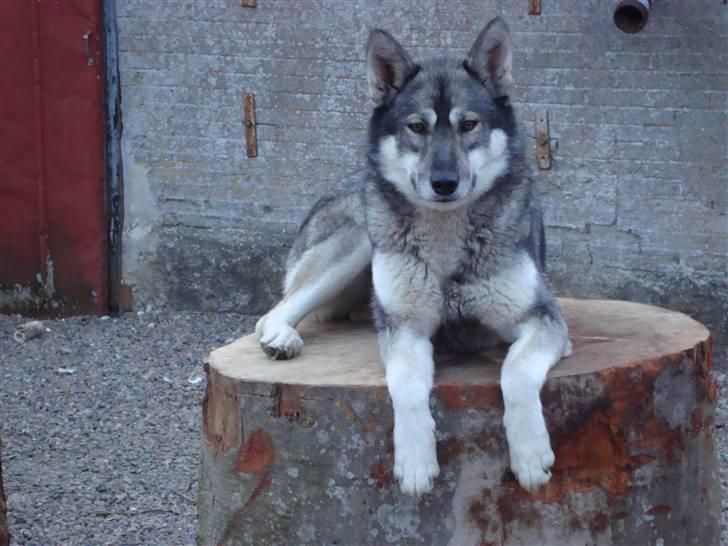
[251,139]
[534,7]
[543,150]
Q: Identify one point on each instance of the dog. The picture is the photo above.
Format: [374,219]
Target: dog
[447,228]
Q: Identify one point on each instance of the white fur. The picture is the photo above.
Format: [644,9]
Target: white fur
[489,163]
[412,299]
[539,343]
[486,164]
[405,291]
[399,168]
[507,295]
[276,330]
[454,116]
[409,368]
[430,116]
[539,346]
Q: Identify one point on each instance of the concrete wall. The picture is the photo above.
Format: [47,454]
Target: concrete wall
[636,198]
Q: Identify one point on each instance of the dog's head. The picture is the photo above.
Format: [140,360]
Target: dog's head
[440,130]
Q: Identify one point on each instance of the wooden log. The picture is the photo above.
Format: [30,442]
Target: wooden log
[300,451]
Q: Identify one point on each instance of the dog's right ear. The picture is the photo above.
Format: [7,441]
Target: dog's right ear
[489,59]
[388,66]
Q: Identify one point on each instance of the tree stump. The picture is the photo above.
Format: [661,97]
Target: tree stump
[300,452]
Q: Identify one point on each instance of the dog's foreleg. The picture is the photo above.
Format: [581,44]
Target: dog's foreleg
[540,344]
[408,304]
[317,279]
[409,369]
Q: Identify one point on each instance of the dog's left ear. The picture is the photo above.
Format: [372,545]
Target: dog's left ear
[490,58]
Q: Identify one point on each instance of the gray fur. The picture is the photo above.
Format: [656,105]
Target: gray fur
[388,66]
[489,58]
[448,225]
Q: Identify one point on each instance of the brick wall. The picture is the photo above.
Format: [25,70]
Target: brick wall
[636,197]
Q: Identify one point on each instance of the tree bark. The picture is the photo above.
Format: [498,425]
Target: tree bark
[300,451]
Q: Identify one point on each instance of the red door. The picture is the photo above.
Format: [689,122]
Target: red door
[53,241]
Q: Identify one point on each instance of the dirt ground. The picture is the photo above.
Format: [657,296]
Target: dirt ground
[100,423]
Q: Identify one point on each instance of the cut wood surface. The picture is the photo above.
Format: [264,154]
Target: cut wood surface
[299,451]
[604,333]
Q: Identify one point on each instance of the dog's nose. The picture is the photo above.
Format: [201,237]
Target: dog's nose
[444,184]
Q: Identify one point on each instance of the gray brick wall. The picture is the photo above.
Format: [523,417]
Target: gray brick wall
[636,198]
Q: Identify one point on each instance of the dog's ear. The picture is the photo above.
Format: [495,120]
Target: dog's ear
[388,66]
[490,58]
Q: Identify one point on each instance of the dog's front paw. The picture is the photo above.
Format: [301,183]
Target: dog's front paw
[415,458]
[279,341]
[416,472]
[530,449]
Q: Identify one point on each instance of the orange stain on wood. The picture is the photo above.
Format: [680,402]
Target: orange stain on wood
[263,484]
[477,397]
[381,473]
[659,509]
[616,440]
[599,523]
[256,454]
[350,414]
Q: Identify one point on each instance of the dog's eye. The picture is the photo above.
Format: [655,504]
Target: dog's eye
[417,127]
[468,125]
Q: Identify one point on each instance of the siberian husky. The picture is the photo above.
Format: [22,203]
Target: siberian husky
[446,226]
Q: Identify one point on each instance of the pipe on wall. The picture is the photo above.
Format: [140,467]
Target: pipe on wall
[631,15]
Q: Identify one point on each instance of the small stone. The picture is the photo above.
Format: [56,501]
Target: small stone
[196,377]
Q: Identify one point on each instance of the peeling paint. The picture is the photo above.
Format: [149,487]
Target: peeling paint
[36,298]
[140,237]
[49,284]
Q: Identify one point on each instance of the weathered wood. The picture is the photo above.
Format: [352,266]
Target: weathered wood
[299,452]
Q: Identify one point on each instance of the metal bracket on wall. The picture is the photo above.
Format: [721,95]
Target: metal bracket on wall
[534,7]
[248,3]
[251,140]
[543,150]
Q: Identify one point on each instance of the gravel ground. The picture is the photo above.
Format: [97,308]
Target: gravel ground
[720,367]
[101,427]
